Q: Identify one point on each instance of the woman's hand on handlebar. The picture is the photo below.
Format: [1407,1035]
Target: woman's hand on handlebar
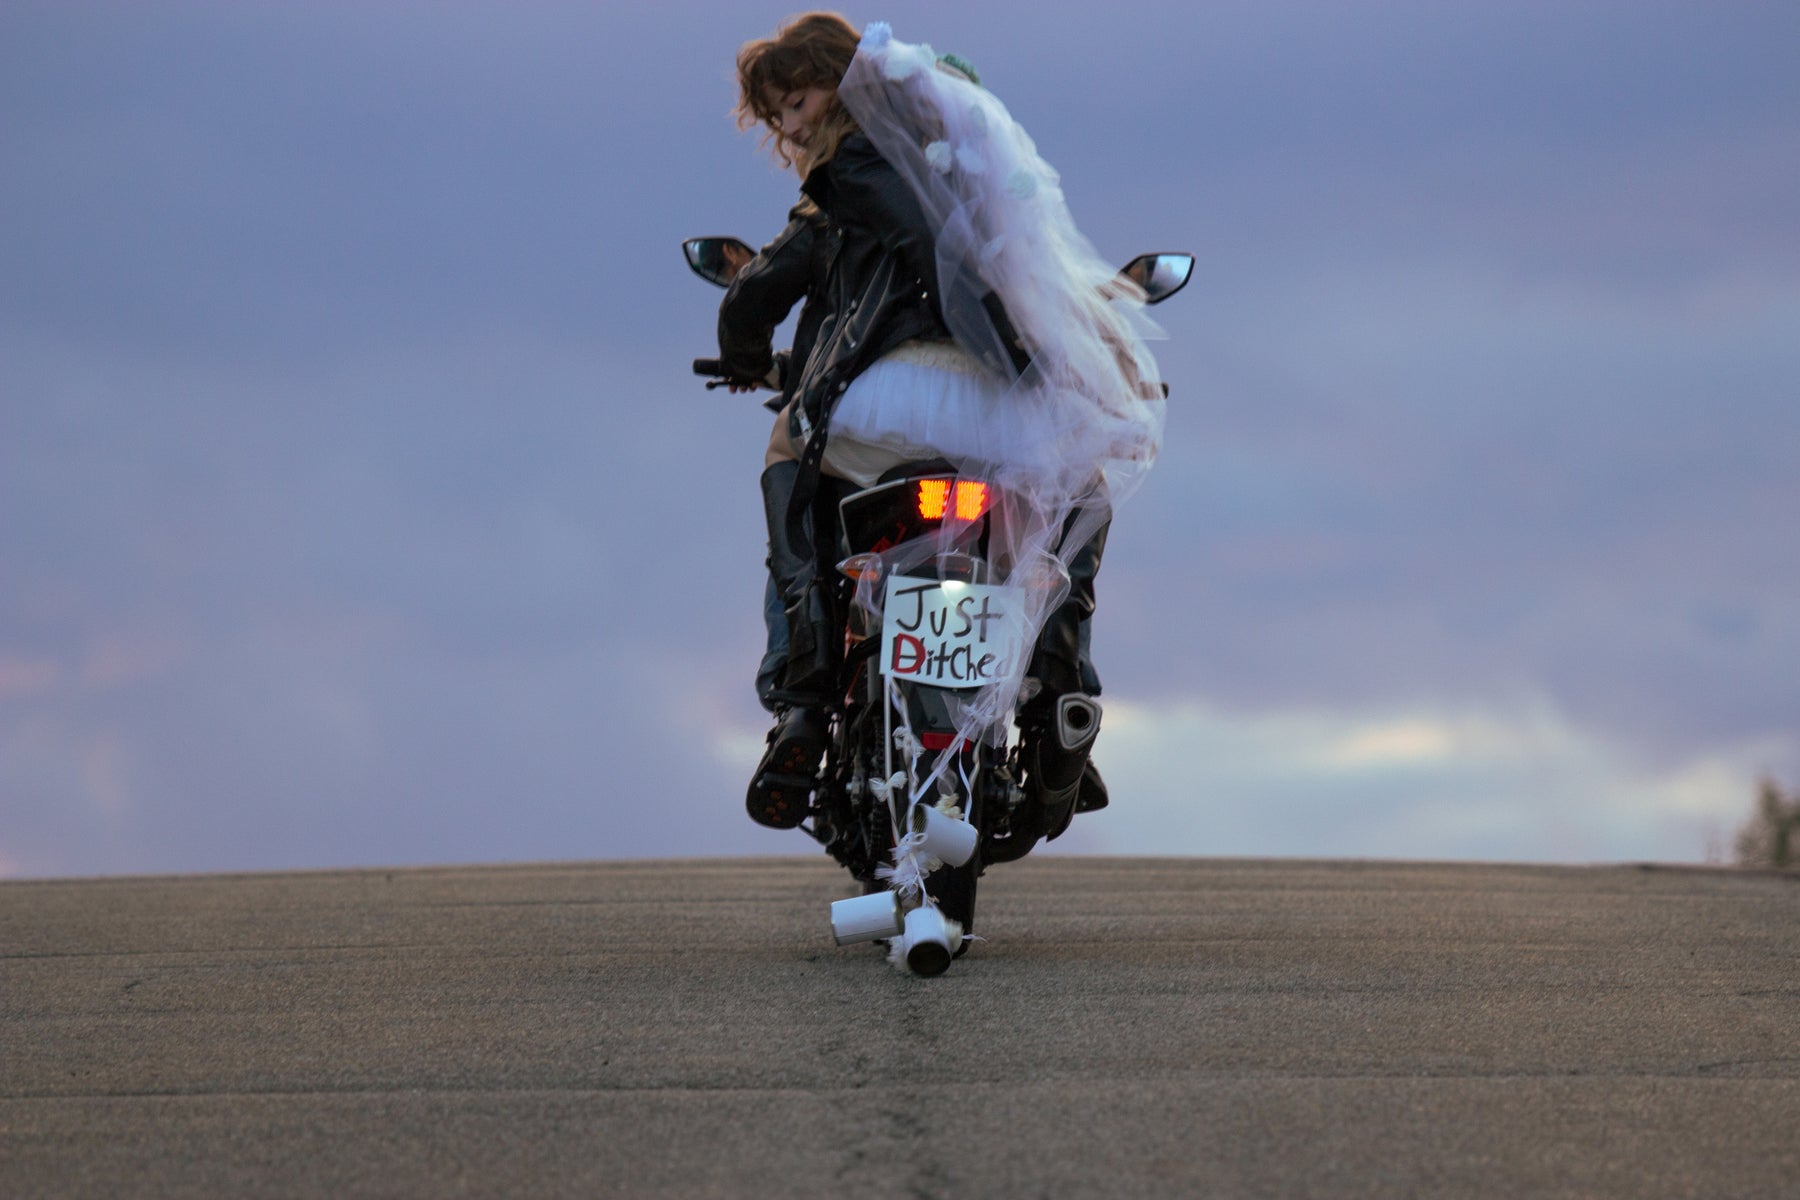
[772,381]
[712,366]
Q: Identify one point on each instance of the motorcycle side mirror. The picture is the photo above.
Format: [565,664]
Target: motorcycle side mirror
[1160,275]
[717,259]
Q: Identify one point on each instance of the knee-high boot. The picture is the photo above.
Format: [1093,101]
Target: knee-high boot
[1060,723]
[784,566]
[1059,662]
[806,677]
[780,790]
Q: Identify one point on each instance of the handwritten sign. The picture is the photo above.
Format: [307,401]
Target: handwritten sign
[949,634]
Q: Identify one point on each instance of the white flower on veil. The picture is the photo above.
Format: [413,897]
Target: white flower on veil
[901,62]
[1021,184]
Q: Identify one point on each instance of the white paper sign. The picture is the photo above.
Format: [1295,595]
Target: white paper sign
[948,634]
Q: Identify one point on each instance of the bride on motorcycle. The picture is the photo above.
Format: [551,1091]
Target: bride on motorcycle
[951,310]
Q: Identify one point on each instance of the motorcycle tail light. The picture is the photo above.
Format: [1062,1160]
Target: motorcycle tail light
[971,499]
[934,497]
[959,499]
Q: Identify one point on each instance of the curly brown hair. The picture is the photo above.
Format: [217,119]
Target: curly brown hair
[807,51]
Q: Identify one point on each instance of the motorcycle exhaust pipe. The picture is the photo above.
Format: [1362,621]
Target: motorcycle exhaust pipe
[925,944]
[1077,721]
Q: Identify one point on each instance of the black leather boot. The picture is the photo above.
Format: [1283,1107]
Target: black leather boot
[807,677]
[780,791]
[1059,724]
[1058,662]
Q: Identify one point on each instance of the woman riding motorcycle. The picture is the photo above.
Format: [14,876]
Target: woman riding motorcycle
[877,362]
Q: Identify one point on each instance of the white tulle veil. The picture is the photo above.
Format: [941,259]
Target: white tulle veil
[1003,228]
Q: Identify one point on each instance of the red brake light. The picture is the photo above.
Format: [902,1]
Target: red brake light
[966,503]
[971,500]
[934,496]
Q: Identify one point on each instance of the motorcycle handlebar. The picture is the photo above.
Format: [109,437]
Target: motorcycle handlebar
[713,368]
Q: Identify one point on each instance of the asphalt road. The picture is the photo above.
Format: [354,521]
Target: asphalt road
[1132,1028]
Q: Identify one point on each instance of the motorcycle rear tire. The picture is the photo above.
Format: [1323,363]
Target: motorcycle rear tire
[954,890]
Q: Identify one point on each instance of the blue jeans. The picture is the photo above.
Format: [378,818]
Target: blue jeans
[768,676]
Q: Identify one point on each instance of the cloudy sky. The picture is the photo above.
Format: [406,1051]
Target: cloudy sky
[356,506]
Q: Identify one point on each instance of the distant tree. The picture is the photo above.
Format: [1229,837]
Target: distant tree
[1771,837]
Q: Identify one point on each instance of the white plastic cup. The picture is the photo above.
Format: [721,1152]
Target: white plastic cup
[948,838]
[926,942]
[866,918]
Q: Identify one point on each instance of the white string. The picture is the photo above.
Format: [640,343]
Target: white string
[907,875]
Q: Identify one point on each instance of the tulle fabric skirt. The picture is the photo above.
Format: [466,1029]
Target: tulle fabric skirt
[929,399]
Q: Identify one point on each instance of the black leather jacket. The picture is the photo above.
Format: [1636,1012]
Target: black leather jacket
[867,264]
[786,271]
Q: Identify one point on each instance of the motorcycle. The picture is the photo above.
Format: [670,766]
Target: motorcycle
[906,798]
